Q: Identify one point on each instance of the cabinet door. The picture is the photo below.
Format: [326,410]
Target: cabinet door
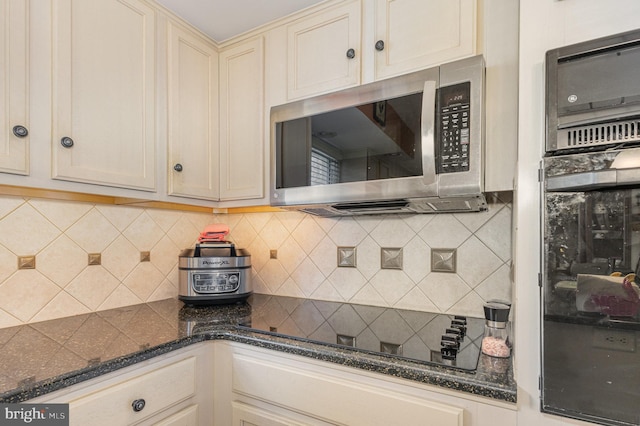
[193,116]
[323,52]
[14,86]
[420,33]
[184,417]
[246,415]
[104,92]
[241,121]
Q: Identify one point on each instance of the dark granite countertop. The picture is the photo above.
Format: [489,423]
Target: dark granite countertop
[39,358]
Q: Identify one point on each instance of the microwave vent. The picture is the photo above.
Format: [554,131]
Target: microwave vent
[599,134]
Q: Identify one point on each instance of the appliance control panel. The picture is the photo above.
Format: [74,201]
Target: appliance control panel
[452,154]
[215,282]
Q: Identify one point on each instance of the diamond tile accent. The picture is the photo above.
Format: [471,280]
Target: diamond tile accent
[306,264]
[443,260]
[346,257]
[390,258]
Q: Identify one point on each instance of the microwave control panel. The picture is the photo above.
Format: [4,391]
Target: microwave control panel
[453,141]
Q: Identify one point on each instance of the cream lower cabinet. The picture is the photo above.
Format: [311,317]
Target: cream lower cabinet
[14,87]
[193,115]
[104,83]
[267,388]
[242,147]
[173,389]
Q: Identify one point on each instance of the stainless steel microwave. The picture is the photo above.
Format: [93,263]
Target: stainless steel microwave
[413,143]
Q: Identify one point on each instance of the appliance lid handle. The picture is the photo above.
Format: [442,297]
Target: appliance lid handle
[582,181]
[427,130]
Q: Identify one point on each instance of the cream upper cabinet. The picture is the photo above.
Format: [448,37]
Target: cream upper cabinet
[362,41]
[415,34]
[323,51]
[241,120]
[104,105]
[193,115]
[14,87]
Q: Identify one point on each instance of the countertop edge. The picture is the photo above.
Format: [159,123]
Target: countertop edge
[442,377]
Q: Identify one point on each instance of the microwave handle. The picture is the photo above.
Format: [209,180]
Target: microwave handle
[427,130]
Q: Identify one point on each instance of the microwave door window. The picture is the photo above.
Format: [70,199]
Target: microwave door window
[379,140]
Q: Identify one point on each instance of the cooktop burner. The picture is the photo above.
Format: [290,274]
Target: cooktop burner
[440,339]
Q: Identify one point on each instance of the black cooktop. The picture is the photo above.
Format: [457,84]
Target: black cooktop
[441,339]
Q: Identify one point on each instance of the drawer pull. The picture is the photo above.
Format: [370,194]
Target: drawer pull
[20,131]
[138,405]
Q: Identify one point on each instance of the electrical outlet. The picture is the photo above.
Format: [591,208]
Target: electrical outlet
[615,340]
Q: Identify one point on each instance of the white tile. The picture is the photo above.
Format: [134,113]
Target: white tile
[326,291]
[120,216]
[62,305]
[417,259]
[25,231]
[369,222]
[476,262]
[273,275]
[120,297]
[8,263]
[348,281]
[164,255]
[291,219]
[92,286]
[183,233]
[258,284]
[8,320]
[417,221]
[496,286]
[144,280]
[416,300]
[307,276]
[165,219]
[326,223]
[392,285]
[259,253]
[243,233]
[25,293]
[444,289]
[290,289]
[470,305]
[200,220]
[62,214]
[61,261]
[9,204]
[347,232]
[473,221]
[274,233]
[325,257]
[392,232]
[444,231]
[496,234]
[308,234]
[174,276]
[166,290]
[291,254]
[259,220]
[368,257]
[368,296]
[93,232]
[120,258]
[144,233]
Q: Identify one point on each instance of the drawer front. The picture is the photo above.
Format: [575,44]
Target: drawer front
[159,389]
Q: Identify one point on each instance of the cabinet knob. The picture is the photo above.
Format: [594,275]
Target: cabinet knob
[177,167]
[66,141]
[138,405]
[379,45]
[351,53]
[20,131]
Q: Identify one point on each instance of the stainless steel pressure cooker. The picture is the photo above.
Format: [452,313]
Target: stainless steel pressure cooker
[214,273]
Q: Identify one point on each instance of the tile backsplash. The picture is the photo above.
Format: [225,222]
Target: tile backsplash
[63,234]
